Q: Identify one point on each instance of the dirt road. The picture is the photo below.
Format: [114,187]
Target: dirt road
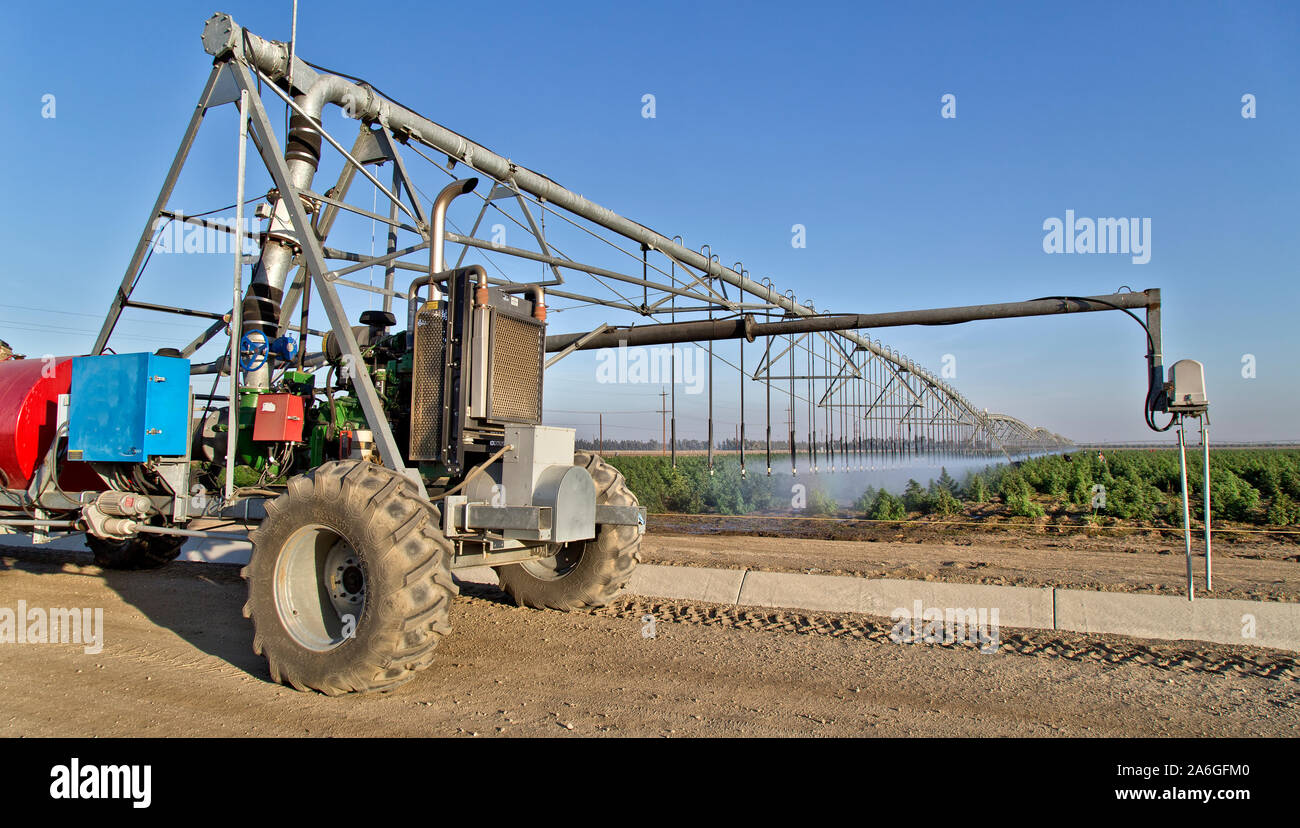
[177,660]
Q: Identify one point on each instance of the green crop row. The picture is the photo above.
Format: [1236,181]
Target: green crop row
[1246,486]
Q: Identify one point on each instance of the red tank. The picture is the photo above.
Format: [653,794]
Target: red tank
[29,399]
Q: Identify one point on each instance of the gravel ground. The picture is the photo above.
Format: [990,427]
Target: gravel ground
[177,661]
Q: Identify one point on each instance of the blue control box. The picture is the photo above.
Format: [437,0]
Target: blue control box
[126,408]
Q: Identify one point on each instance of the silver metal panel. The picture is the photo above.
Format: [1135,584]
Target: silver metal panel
[620,515]
[570,493]
[226,89]
[530,522]
[535,448]
[480,359]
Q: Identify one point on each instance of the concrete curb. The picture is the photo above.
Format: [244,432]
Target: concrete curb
[1017,606]
[686,583]
[1221,620]
[1166,617]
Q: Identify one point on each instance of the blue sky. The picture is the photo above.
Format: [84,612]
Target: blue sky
[767,115]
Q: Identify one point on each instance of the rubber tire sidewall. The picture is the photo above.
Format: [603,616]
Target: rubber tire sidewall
[607,560]
[405,562]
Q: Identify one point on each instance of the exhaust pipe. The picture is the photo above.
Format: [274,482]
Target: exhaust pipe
[414,301]
[437,257]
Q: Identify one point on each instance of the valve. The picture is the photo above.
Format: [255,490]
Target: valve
[253,351]
[285,347]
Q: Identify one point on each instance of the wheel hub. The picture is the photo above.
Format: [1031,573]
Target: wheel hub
[563,560]
[345,580]
[320,588]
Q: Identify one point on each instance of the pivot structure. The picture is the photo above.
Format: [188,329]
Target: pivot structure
[378,457]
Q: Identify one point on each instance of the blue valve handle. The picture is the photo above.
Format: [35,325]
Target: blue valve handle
[253,353]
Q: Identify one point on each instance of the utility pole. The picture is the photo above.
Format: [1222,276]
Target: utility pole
[601,438]
[789,421]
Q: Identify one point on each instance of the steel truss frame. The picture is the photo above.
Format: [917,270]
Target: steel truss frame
[873,402]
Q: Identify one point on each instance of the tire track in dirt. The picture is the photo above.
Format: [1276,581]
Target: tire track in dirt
[1112,650]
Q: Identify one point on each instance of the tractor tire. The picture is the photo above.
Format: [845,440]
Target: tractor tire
[146,551]
[349,584]
[583,574]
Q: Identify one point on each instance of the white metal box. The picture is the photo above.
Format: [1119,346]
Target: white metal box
[1187,384]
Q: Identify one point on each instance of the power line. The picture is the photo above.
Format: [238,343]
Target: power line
[94,316]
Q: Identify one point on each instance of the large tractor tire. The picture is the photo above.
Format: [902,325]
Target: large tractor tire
[582,574]
[146,551]
[349,585]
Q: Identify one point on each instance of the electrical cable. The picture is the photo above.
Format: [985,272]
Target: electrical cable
[54,474]
[1147,413]
[477,470]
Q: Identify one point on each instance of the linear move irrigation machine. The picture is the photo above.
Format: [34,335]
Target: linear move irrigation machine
[388,456]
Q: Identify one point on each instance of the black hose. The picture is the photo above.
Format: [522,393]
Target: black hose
[1151,352]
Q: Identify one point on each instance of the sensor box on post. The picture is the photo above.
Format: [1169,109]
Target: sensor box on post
[1186,387]
[126,408]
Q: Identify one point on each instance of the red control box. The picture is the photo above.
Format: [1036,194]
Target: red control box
[278,418]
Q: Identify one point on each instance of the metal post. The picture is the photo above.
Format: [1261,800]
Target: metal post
[859,402]
[390,271]
[232,410]
[842,394]
[293,41]
[672,451]
[794,456]
[767,366]
[709,284]
[741,428]
[789,424]
[829,396]
[1187,519]
[742,408]
[302,319]
[812,413]
[927,429]
[663,422]
[710,405]
[869,413]
[672,355]
[846,440]
[888,430]
[1205,464]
